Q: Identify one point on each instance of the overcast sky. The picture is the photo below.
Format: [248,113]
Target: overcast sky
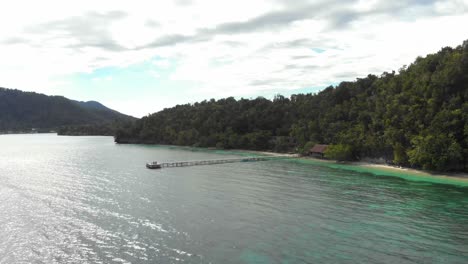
[139,57]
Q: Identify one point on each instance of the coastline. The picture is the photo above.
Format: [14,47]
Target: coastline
[459,179]
[384,170]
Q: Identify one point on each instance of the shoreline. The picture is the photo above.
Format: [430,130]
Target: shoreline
[460,179]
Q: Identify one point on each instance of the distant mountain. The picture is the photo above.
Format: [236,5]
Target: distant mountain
[92,105]
[23,111]
[103,111]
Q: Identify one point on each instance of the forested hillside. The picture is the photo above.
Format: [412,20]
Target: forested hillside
[22,111]
[416,117]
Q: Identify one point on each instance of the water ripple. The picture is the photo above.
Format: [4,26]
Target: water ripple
[86,200]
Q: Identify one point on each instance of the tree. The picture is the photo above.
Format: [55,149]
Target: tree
[416,116]
[436,152]
[304,150]
[399,155]
[339,152]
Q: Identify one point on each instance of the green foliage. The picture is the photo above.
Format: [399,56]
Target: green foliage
[339,152]
[399,155]
[282,144]
[86,130]
[436,152]
[417,116]
[304,150]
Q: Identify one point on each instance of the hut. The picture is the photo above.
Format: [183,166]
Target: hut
[318,151]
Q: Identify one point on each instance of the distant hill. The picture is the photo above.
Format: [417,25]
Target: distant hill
[23,111]
[415,117]
[92,105]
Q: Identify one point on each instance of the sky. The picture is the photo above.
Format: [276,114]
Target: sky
[139,57]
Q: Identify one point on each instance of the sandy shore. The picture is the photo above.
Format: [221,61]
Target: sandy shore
[380,169]
[408,170]
[459,179]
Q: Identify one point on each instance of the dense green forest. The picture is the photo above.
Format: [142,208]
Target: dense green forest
[415,117]
[106,129]
[22,111]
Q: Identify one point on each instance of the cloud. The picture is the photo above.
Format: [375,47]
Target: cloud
[266,22]
[338,15]
[170,40]
[183,2]
[200,49]
[162,63]
[269,21]
[15,40]
[100,79]
[152,23]
[88,30]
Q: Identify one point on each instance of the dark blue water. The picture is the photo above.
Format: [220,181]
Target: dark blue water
[87,200]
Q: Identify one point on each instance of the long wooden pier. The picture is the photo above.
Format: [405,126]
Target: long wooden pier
[155,165]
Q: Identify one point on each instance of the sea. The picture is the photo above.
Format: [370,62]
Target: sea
[88,200]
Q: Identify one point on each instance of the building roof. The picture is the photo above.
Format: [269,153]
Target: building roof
[319,148]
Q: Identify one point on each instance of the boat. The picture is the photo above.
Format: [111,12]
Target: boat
[153,165]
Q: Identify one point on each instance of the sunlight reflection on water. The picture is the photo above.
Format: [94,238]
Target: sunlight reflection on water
[87,200]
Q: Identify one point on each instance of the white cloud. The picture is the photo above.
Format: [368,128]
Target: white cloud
[162,64]
[222,48]
[100,79]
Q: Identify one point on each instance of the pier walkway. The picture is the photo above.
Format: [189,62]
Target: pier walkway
[155,165]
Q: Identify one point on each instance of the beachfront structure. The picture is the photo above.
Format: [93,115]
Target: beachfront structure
[318,151]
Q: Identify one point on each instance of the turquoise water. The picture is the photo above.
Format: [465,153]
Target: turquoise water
[87,200]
